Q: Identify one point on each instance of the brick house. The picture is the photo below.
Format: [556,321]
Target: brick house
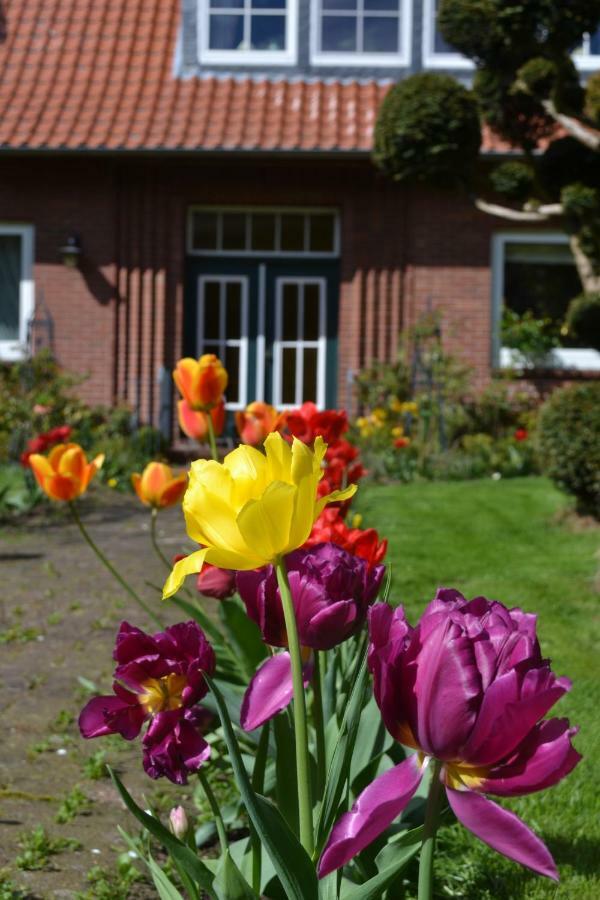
[187,176]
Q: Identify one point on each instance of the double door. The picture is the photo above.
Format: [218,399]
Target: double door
[272,323]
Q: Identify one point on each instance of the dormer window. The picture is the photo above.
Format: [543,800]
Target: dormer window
[361,32]
[587,57]
[236,32]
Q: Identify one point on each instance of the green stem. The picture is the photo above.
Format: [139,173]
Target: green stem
[157,549]
[300,723]
[432,815]
[212,801]
[258,784]
[317,712]
[105,562]
[211,437]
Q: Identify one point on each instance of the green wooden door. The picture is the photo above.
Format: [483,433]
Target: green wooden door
[272,322]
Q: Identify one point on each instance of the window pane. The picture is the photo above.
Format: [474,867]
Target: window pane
[288,375]
[311,312]
[226,4]
[268,4]
[292,233]
[440,45]
[338,34]
[321,234]
[595,43]
[233,312]
[289,313]
[210,348]
[211,310]
[234,231]
[381,5]
[541,279]
[10,277]
[263,231]
[340,4]
[204,231]
[309,387]
[267,33]
[226,32]
[232,364]
[380,35]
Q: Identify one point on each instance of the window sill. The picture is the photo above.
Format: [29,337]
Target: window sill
[13,351]
[561,360]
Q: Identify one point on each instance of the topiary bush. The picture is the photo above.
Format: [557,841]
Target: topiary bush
[583,320]
[428,129]
[569,443]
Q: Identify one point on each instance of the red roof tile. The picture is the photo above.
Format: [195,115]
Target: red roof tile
[98,74]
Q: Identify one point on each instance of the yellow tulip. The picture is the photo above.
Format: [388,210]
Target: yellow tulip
[65,473]
[253,508]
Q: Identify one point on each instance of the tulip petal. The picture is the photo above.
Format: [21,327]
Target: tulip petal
[189,565]
[111,715]
[265,523]
[61,487]
[502,830]
[334,497]
[173,491]
[376,808]
[542,760]
[270,690]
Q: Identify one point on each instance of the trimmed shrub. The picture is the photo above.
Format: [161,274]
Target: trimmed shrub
[583,320]
[569,443]
[428,129]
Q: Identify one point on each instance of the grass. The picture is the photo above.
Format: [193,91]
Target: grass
[508,541]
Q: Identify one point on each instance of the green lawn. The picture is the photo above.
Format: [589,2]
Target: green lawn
[505,540]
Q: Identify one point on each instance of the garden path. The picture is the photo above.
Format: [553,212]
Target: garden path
[59,613]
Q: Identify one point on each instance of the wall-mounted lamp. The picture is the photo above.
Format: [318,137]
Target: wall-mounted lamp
[71,252]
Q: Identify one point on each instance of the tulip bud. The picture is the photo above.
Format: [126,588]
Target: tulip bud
[178,822]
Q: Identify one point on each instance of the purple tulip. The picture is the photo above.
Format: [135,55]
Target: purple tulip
[331,592]
[157,678]
[467,687]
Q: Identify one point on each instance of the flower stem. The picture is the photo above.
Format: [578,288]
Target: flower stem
[211,437]
[105,562]
[212,801]
[258,785]
[432,814]
[157,549]
[317,712]
[300,722]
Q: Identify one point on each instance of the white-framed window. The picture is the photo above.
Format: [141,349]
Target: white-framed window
[261,32]
[300,346]
[361,32]
[535,271]
[437,52]
[16,289]
[587,57]
[264,232]
[222,329]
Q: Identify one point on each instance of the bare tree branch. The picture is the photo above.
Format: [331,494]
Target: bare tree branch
[588,275]
[585,134]
[540,214]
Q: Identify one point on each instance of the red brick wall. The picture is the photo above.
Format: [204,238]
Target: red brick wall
[119,316]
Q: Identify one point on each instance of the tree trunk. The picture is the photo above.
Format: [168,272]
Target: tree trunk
[589,277]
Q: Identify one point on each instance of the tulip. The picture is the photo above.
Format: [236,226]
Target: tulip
[158,678]
[178,822]
[521,434]
[307,423]
[253,508]
[330,526]
[257,421]
[467,689]
[65,473]
[158,487]
[215,582]
[195,423]
[201,382]
[331,591]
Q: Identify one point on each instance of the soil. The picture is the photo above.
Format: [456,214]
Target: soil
[59,613]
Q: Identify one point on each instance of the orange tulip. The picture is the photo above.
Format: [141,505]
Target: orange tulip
[195,423]
[157,486]
[257,421]
[201,382]
[65,473]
